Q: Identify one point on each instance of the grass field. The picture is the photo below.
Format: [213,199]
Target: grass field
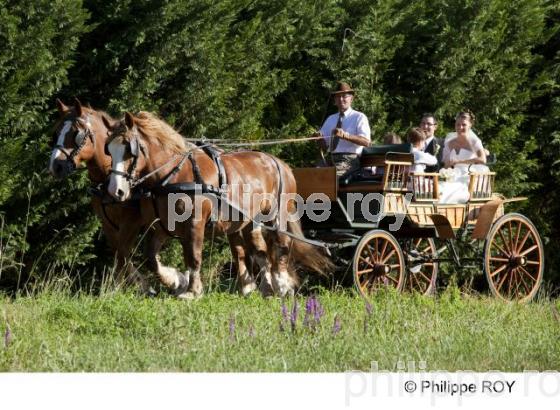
[120,331]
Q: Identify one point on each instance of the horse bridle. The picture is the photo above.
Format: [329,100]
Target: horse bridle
[80,140]
[134,152]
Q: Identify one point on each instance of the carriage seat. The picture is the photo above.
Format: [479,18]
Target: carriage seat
[374,156]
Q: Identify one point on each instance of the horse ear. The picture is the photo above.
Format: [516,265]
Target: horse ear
[78,107]
[62,108]
[106,122]
[129,120]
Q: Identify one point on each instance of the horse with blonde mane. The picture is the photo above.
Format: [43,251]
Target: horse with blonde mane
[79,136]
[146,151]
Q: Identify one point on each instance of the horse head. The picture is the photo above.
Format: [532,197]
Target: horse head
[128,156]
[74,138]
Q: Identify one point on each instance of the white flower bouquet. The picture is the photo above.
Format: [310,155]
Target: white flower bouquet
[447,174]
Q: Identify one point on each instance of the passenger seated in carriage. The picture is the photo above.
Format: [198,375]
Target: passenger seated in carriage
[417,138]
[463,151]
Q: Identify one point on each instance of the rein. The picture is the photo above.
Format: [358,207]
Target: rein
[175,170]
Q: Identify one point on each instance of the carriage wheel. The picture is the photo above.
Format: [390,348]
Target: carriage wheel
[514,258]
[421,276]
[378,263]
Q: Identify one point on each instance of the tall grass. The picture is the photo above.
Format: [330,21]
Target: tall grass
[119,331]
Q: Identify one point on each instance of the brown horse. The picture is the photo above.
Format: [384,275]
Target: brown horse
[145,149]
[80,136]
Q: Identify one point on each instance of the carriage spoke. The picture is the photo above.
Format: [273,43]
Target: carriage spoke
[509,252]
[425,277]
[396,265]
[388,256]
[393,279]
[502,281]
[523,241]
[510,237]
[513,258]
[517,236]
[527,251]
[366,261]
[501,268]
[361,272]
[373,258]
[526,272]
[418,283]
[522,280]
[500,249]
[383,251]
[429,248]
[510,281]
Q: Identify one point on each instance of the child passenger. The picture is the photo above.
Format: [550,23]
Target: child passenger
[417,138]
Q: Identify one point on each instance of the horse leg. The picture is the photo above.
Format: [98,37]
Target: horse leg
[128,232]
[283,282]
[168,276]
[192,242]
[240,254]
[260,258]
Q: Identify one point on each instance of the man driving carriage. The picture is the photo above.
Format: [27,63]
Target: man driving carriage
[344,133]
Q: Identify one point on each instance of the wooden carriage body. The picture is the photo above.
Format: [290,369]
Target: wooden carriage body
[404,255]
[413,195]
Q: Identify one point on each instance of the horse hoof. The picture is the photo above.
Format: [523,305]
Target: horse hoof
[189,296]
[248,289]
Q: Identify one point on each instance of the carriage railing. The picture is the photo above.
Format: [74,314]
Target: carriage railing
[397,170]
[425,186]
[481,185]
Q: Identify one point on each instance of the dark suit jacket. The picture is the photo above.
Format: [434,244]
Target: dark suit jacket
[432,149]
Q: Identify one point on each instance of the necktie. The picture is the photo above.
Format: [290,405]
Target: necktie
[335,140]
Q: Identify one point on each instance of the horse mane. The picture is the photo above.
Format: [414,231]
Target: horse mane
[155,129]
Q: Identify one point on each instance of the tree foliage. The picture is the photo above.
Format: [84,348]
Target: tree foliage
[254,69]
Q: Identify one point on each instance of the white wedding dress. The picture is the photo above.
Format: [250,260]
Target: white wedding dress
[457,190]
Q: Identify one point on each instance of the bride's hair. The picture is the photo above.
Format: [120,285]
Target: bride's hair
[467,114]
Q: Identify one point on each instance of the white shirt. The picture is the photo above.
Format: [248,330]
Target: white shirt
[353,122]
[421,159]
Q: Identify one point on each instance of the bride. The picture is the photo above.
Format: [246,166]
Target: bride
[462,152]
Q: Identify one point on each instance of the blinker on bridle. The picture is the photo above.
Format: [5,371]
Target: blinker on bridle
[80,140]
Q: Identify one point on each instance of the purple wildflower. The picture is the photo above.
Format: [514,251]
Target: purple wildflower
[336,325]
[294,315]
[231,327]
[284,311]
[7,336]
[313,312]
[319,312]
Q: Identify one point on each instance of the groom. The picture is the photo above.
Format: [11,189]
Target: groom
[433,145]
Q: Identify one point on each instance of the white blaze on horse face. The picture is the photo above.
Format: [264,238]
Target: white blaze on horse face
[56,152]
[119,187]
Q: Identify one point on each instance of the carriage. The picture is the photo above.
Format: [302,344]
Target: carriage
[393,231]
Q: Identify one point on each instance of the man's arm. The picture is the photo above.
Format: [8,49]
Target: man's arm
[356,139]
